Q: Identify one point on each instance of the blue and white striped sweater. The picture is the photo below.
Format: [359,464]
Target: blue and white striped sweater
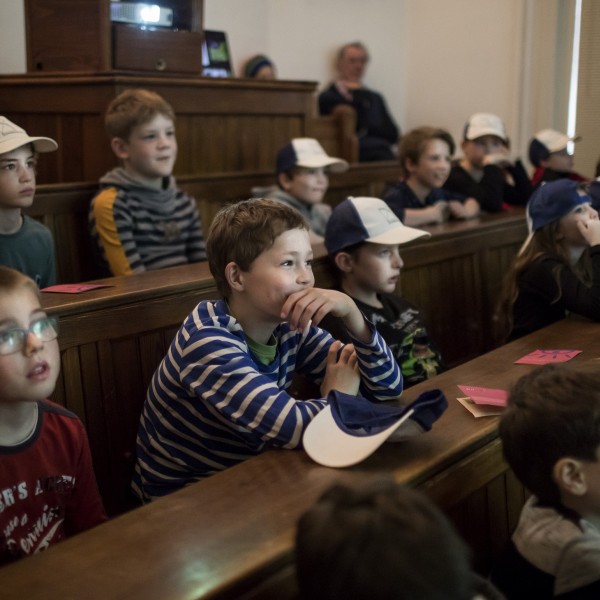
[211,404]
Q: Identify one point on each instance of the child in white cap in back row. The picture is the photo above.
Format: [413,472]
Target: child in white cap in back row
[487,172]
[550,155]
[302,170]
[25,244]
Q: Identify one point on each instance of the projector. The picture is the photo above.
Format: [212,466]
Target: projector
[141,14]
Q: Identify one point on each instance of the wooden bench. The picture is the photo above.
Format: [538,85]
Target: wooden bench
[63,208]
[231,536]
[337,133]
[112,339]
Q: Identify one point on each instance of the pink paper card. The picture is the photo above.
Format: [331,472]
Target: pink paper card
[481,395]
[480,410]
[74,288]
[541,357]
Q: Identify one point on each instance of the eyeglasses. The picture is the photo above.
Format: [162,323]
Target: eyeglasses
[13,340]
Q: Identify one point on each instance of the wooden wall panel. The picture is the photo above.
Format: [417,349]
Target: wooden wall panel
[223,125]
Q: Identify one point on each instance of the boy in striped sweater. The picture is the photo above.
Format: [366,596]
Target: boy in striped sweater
[221,395]
[140,220]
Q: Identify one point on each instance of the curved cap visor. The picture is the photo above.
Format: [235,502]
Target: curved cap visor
[350,428]
[12,137]
[331,446]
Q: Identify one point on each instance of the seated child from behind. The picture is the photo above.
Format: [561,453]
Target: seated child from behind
[550,433]
[221,394]
[549,154]
[363,238]
[47,485]
[418,198]
[140,220]
[25,244]
[487,172]
[302,169]
[378,540]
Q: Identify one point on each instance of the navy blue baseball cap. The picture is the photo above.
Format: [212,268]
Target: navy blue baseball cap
[553,200]
[350,428]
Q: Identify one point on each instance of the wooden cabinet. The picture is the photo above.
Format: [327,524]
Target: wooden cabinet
[76,35]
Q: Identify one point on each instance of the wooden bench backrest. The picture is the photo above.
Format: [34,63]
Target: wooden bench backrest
[63,208]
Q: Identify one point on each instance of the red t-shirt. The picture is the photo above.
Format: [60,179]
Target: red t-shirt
[47,486]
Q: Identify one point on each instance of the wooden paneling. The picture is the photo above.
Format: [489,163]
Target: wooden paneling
[63,208]
[222,125]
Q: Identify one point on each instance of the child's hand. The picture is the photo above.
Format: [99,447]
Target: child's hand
[312,304]
[500,159]
[590,230]
[466,210]
[440,211]
[341,373]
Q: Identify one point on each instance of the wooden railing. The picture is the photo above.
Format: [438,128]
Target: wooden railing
[63,208]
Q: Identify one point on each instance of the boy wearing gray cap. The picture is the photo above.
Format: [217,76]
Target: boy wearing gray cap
[362,238]
[25,244]
[302,170]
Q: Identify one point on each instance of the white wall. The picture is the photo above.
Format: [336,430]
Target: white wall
[436,61]
[12,37]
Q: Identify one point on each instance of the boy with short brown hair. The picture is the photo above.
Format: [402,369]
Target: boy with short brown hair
[140,220]
[418,198]
[221,395]
[550,434]
[47,485]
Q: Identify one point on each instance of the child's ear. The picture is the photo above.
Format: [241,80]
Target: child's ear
[409,166]
[344,262]
[120,147]
[284,181]
[569,475]
[234,276]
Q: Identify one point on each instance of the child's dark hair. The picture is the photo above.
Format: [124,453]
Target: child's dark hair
[412,145]
[379,541]
[240,232]
[132,108]
[553,413]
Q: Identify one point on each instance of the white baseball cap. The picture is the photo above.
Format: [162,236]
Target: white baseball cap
[308,153]
[481,124]
[12,137]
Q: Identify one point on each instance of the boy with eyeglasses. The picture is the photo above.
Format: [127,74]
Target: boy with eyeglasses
[47,486]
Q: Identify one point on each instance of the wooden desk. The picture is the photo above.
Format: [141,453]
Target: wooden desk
[231,536]
[112,339]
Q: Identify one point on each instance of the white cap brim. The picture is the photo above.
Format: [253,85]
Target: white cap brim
[399,235]
[329,446]
[335,165]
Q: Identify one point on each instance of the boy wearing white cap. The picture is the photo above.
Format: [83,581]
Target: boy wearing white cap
[486,172]
[551,158]
[25,244]
[302,168]
[362,238]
